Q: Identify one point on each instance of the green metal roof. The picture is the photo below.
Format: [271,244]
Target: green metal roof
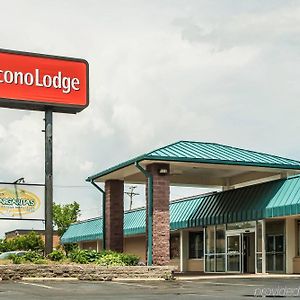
[134,223]
[209,153]
[266,200]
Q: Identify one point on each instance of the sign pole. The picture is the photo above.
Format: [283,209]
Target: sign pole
[48,182]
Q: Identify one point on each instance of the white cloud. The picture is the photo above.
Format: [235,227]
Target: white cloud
[160,71]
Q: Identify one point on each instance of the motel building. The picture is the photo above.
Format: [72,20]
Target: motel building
[251,224]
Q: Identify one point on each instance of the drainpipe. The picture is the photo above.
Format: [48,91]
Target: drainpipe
[150,211]
[103,213]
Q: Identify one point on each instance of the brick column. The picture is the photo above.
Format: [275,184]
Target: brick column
[161,215]
[114,214]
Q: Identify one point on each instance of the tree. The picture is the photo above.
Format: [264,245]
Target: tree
[31,241]
[65,215]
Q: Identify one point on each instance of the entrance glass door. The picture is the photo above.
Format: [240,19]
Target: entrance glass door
[234,253]
[275,253]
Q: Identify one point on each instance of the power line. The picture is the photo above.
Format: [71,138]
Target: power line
[73,186]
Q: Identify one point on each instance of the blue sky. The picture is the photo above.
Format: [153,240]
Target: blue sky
[160,71]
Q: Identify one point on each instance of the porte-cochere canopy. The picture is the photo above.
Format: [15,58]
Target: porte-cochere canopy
[203,164]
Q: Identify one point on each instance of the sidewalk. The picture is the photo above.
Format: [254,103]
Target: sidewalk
[200,276]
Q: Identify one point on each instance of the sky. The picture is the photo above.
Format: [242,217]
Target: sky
[160,71]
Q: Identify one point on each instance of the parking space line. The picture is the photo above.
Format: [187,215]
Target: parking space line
[134,284]
[233,284]
[38,285]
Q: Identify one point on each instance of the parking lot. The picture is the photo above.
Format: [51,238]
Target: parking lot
[196,289]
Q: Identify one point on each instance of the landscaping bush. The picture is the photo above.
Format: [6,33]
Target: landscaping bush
[16,259]
[56,255]
[30,241]
[30,256]
[103,258]
[84,256]
[110,258]
[7,245]
[130,259]
[70,248]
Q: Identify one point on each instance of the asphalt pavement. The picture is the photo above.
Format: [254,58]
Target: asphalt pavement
[178,289]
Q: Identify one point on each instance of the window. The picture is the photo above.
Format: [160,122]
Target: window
[196,244]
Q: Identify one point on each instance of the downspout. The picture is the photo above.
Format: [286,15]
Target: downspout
[150,211]
[103,213]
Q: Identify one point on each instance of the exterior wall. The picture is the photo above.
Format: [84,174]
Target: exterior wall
[92,245]
[56,240]
[296,259]
[99,245]
[136,245]
[290,232]
[195,265]
[296,265]
[184,249]
[175,262]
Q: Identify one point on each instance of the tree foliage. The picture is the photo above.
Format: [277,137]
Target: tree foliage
[65,215]
[30,241]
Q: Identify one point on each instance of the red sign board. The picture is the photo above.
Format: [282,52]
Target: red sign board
[41,82]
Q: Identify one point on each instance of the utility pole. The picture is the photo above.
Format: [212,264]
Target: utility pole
[131,194]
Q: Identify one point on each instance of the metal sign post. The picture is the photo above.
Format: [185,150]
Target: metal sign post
[48,182]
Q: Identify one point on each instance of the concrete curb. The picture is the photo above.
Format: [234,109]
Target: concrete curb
[76,279]
[138,279]
[256,276]
[49,279]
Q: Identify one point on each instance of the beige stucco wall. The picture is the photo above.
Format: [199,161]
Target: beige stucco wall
[195,265]
[175,262]
[296,265]
[92,245]
[290,227]
[133,245]
[136,245]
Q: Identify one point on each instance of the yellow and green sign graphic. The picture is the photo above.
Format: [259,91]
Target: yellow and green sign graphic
[18,202]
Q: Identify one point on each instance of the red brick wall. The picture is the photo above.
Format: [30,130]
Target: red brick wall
[161,214]
[114,190]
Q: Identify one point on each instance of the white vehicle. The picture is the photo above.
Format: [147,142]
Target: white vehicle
[6,255]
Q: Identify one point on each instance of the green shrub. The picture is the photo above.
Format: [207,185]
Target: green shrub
[84,256]
[40,261]
[7,245]
[111,258]
[30,256]
[70,248]
[130,259]
[30,241]
[56,255]
[16,259]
